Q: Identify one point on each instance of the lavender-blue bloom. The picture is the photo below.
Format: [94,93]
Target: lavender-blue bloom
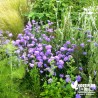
[39,64]
[68,42]
[48,52]
[49,30]
[89,36]
[10,35]
[82,45]
[60,62]
[70,50]
[95,44]
[61,75]
[57,58]
[41,71]
[66,59]
[31,65]
[77,96]
[78,78]
[68,79]
[20,36]
[36,52]
[93,87]
[80,68]
[84,53]
[33,21]
[63,49]
[47,39]
[88,40]
[60,66]
[50,80]
[44,57]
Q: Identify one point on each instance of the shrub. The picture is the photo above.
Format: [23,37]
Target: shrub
[11,15]
[12,70]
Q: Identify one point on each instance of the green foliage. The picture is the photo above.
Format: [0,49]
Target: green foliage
[12,71]
[52,9]
[35,80]
[57,89]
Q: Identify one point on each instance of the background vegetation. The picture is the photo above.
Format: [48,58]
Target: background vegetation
[47,45]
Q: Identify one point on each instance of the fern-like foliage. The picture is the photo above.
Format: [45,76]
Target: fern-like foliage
[12,71]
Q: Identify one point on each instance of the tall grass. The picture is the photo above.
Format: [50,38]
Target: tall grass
[11,15]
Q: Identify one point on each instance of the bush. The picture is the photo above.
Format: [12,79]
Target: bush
[11,15]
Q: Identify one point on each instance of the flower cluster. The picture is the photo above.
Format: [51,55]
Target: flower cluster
[5,37]
[35,51]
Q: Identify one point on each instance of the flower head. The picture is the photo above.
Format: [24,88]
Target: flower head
[68,79]
[78,96]
[78,78]
[82,45]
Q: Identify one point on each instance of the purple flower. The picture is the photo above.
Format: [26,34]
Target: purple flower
[84,53]
[44,57]
[78,78]
[41,71]
[20,36]
[82,45]
[17,51]
[89,36]
[50,80]
[10,35]
[95,44]
[38,57]
[48,52]
[68,79]
[80,68]
[40,49]
[41,53]
[68,42]
[48,46]
[88,32]
[69,57]
[45,65]
[47,39]
[60,66]
[17,42]
[63,49]
[74,46]
[23,56]
[31,65]
[60,62]
[49,22]
[61,55]
[66,59]
[51,59]
[22,41]
[78,96]
[93,87]
[39,64]
[6,42]
[31,50]
[49,30]
[57,58]
[36,52]
[88,40]
[21,48]
[26,37]
[61,75]
[70,50]
[33,21]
